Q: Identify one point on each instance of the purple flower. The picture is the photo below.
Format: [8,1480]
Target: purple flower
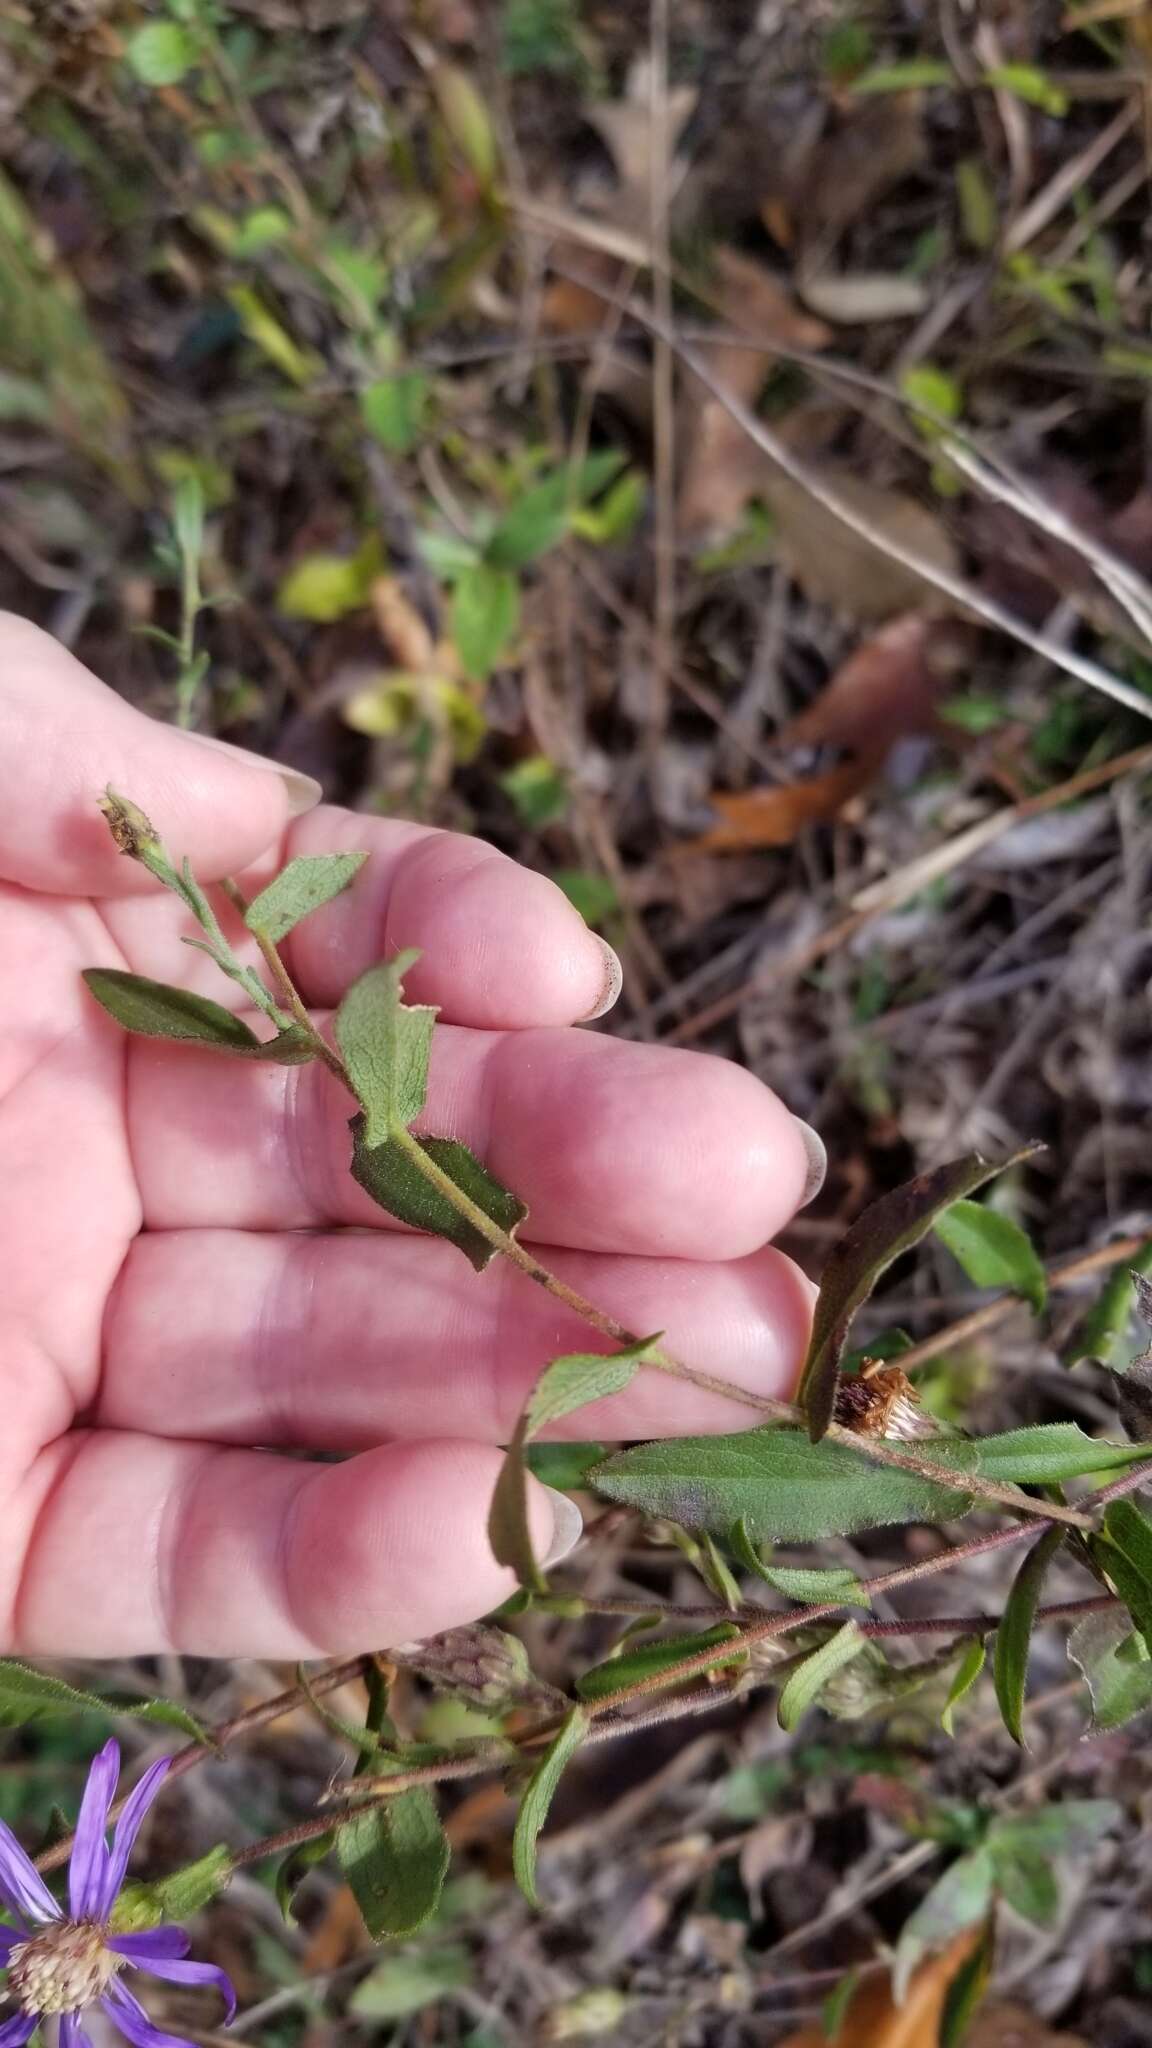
[60,1963]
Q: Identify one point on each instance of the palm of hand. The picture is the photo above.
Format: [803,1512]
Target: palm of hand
[181,1295]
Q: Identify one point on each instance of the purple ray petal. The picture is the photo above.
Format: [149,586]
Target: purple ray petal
[193,1973]
[167,1943]
[128,1827]
[132,2020]
[20,2028]
[22,1888]
[88,1871]
[10,1938]
[72,2034]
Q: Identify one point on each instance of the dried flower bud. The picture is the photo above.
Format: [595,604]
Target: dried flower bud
[881,1401]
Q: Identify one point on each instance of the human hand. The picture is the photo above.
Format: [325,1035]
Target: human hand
[191,1282]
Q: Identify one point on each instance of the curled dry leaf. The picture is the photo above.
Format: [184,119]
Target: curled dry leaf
[874,2020]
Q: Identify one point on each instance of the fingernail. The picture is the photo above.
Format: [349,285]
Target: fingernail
[567,1527]
[613,981]
[817,1161]
[304,792]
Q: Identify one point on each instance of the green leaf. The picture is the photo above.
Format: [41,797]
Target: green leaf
[538,1796]
[302,887]
[1031,85]
[407,1984]
[323,588]
[485,615]
[394,409]
[809,1585]
[918,71]
[927,386]
[968,1671]
[538,790]
[173,1898]
[1014,1635]
[1105,1328]
[579,1378]
[957,1900]
[1117,1668]
[794,1491]
[395,1856]
[386,1045]
[1027,1881]
[810,1677]
[596,897]
[564,1466]
[968,1989]
[618,513]
[892,1225]
[650,1660]
[871,1685]
[271,337]
[774,1480]
[565,1385]
[993,1251]
[154,1009]
[161,53]
[542,515]
[294,1868]
[1067,1827]
[26,1694]
[387,1174]
[1125,1552]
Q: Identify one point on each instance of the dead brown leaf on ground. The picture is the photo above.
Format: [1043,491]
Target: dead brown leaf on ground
[887,689]
[872,2020]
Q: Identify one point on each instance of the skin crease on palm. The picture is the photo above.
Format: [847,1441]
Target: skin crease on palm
[190,1282]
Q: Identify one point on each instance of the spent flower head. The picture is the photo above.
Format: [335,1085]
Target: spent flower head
[60,1963]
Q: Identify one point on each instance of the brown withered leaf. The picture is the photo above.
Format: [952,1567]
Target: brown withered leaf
[886,689]
[723,468]
[872,2020]
[874,144]
[775,817]
[835,566]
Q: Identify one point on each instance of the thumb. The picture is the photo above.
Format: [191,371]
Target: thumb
[64,738]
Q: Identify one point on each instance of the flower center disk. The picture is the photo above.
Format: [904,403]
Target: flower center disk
[62,1968]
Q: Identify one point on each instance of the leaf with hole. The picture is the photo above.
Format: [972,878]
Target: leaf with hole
[395,1183]
[395,1856]
[653,1660]
[27,1695]
[993,1251]
[891,1226]
[809,1678]
[305,885]
[538,1796]
[1014,1635]
[1117,1668]
[386,1045]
